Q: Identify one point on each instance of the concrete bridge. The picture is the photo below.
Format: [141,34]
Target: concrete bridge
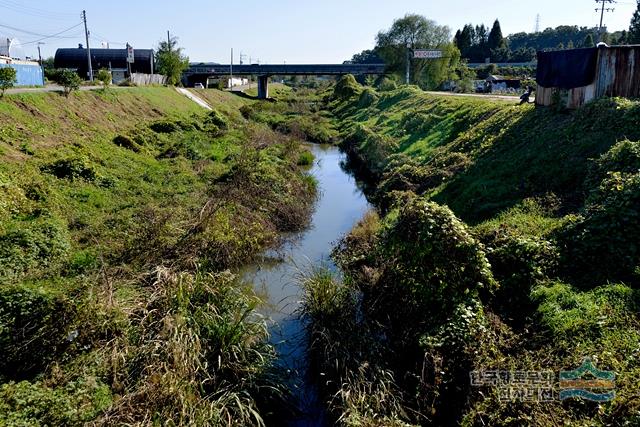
[199,73]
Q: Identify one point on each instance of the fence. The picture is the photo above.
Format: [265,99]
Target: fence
[27,73]
[148,79]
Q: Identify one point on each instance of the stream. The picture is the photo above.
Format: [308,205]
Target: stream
[339,207]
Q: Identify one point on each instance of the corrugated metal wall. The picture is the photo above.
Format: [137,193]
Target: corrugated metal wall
[28,75]
[617,74]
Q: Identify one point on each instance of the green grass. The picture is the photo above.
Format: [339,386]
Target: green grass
[549,201]
[118,211]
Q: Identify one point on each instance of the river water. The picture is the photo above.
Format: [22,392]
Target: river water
[340,206]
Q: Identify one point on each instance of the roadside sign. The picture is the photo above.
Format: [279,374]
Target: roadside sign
[130,55]
[427,54]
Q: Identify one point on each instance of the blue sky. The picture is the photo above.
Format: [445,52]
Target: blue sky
[275,31]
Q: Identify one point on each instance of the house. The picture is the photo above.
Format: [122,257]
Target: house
[576,76]
[114,60]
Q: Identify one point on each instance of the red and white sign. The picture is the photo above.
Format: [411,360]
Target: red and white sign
[427,54]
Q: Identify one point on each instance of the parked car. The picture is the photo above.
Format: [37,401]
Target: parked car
[199,86]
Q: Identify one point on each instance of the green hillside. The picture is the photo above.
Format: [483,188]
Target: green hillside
[120,215]
[507,234]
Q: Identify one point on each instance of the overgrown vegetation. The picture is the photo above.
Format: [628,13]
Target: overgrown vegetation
[532,266]
[121,213]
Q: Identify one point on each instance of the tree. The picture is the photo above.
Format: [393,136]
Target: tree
[170,61]
[104,77]
[8,77]
[633,37]
[570,45]
[411,32]
[367,57]
[588,41]
[69,80]
[496,40]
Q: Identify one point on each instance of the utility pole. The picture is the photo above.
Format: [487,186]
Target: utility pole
[537,30]
[231,72]
[408,71]
[169,41]
[86,33]
[602,9]
[40,53]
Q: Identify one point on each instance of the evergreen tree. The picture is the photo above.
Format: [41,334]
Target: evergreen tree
[588,41]
[496,40]
[633,37]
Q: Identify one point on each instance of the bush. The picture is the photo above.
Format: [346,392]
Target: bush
[368,97]
[33,330]
[126,142]
[385,84]
[432,263]
[347,87]
[69,80]
[624,157]
[603,244]
[305,158]
[71,169]
[40,243]
[164,127]
[218,120]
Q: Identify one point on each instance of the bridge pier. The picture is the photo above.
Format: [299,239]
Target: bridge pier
[263,87]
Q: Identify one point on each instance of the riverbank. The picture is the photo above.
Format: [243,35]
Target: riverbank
[504,241]
[121,213]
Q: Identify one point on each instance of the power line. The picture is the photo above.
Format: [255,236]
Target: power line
[37,13]
[602,9]
[55,36]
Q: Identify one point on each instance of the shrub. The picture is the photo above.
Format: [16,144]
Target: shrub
[7,79]
[69,80]
[368,97]
[126,142]
[33,330]
[624,157]
[603,244]
[369,148]
[385,84]
[40,243]
[305,158]
[346,87]
[71,169]
[164,127]
[432,263]
[218,120]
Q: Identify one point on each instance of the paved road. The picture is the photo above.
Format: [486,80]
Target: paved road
[515,99]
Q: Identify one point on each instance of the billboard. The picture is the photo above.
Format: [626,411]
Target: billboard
[427,54]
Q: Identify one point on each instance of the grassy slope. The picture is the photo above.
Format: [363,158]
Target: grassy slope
[519,176]
[121,241]
[514,152]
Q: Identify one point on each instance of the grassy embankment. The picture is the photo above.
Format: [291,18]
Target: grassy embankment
[120,214]
[505,238]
